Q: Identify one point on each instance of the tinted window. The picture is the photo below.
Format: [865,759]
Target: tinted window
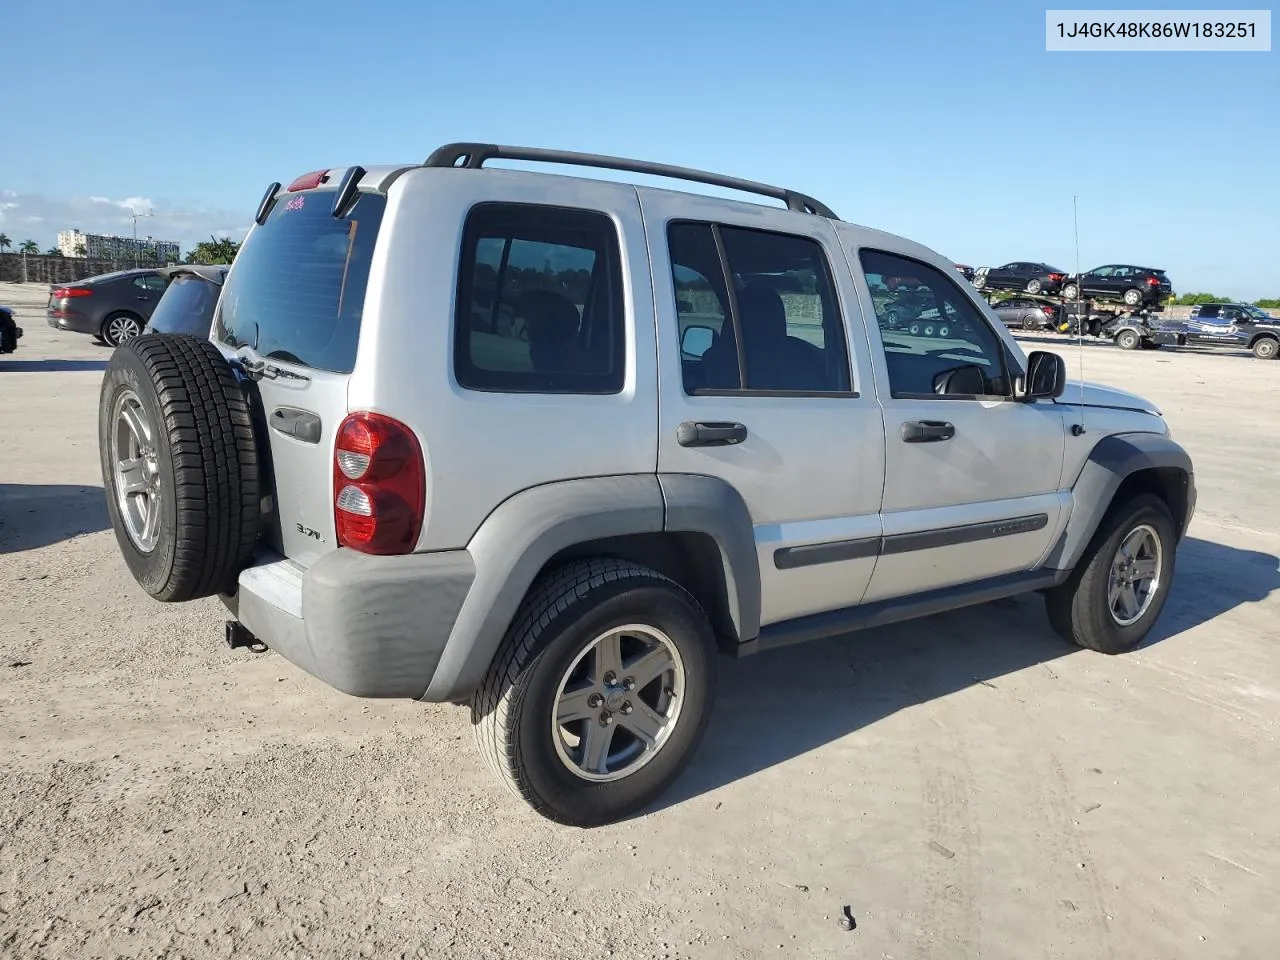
[186,307]
[540,305]
[1208,312]
[781,308]
[936,341]
[154,282]
[296,292]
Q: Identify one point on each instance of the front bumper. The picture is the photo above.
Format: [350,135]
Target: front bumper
[368,626]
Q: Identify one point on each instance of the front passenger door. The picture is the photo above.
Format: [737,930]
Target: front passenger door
[972,475]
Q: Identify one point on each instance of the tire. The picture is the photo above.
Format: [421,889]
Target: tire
[944,332]
[914,329]
[189,528]
[566,611]
[1080,610]
[1132,297]
[979,281]
[1266,348]
[928,330]
[1029,322]
[1034,286]
[1128,340]
[892,317]
[1070,291]
[120,328]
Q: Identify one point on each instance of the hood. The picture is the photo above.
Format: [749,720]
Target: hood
[1099,395]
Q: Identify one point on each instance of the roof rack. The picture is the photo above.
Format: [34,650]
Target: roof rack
[473,156]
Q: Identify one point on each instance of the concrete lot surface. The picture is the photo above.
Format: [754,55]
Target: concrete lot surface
[969,785]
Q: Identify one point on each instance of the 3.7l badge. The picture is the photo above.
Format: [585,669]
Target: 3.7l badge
[308,532]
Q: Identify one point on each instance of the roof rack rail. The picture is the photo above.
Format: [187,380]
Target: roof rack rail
[473,156]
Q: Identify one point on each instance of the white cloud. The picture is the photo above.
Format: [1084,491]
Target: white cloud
[42,217]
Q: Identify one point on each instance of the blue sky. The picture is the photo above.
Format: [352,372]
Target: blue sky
[944,121]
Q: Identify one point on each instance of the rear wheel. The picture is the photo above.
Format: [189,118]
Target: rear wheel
[1266,348]
[1132,297]
[1128,340]
[120,328]
[1115,594]
[179,465]
[600,692]
[1034,286]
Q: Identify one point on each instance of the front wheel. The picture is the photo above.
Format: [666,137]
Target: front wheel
[979,281]
[1265,348]
[600,693]
[1116,592]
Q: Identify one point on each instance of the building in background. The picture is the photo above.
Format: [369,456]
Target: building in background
[97,246]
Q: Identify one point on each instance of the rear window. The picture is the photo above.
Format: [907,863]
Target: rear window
[186,307]
[297,290]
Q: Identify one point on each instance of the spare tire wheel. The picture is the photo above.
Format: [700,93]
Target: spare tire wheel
[179,465]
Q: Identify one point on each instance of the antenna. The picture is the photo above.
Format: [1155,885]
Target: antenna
[1080,321]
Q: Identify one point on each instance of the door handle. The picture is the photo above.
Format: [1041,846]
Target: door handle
[710,434]
[927,431]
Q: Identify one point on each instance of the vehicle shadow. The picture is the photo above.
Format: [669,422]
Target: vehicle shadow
[781,704]
[37,515]
[52,366]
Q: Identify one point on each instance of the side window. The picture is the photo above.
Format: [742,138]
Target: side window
[1230,313]
[151,282]
[936,342]
[757,312]
[1209,312]
[1103,272]
[539,307]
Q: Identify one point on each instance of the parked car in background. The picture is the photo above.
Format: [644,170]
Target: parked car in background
[1025,313]
[1133,286]
[966,271]
[112,307]
[1235,325]
[1020,275]
[188,302]
[10,332]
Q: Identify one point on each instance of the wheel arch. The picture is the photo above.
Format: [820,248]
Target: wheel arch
[1264,335]
[1118,468]
[696,530]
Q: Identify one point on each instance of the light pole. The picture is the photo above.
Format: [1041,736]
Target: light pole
[150,213]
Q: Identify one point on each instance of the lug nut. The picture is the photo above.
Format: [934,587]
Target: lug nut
[606,718]
[610,679]
[629,683]
[626,708]
[595,700]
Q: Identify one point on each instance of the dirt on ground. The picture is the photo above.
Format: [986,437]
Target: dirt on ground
[968,785]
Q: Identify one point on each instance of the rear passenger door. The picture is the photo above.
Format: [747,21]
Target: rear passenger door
[753,310]
[972,476]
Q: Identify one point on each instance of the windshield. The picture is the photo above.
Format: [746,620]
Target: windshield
[296,291]
[1257,312]
[186,307]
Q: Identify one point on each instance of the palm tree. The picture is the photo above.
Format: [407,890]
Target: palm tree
[5,242]
[29,246]
[81,251]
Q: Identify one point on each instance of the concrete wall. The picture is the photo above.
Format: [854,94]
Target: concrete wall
[16,268]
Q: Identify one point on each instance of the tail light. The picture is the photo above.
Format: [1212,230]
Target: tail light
[1057,276]
[63,293]
[379,485]
[1152,282]
[1048,310]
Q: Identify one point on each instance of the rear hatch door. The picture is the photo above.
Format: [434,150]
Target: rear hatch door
[289,318]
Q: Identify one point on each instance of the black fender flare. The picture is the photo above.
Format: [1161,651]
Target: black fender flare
[1113,460]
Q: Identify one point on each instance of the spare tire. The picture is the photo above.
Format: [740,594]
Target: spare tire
[179,465]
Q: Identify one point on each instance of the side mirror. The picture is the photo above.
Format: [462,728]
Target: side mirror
[1046,375]
[695,341]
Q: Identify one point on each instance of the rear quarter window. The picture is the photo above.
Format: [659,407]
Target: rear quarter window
[296,291]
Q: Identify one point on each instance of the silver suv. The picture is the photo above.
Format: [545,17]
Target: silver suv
[545,445]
